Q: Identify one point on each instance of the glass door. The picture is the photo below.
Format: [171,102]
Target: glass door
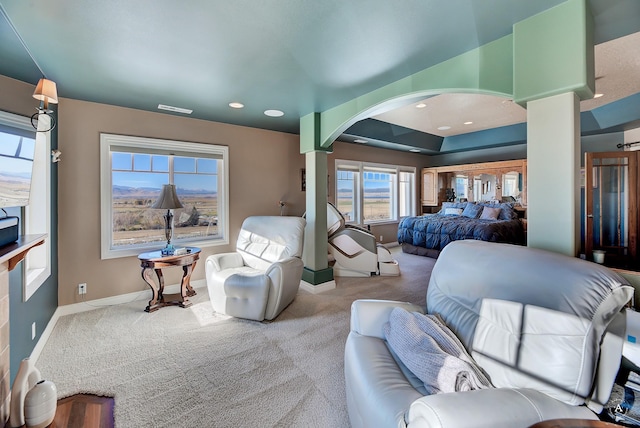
[611,211]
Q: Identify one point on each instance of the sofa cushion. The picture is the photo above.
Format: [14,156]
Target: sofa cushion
[534,322]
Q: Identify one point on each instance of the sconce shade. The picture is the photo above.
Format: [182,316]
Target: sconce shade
[168,198]
[46,91]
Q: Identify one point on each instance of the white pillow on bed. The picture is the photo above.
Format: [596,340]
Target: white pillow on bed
[452,211]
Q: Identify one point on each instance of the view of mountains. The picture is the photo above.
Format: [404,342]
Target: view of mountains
[151,192]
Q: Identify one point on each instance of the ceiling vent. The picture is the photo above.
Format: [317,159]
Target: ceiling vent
[174,109]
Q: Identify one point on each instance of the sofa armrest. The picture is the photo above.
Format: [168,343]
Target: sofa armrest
[369,316]
[495,408]
[219,262]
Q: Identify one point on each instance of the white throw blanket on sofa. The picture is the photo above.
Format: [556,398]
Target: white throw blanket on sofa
[433,353]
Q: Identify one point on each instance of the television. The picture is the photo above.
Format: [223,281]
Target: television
[16,168]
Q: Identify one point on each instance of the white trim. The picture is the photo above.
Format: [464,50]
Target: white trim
[155,144]
[76,308]
[320,288]
[16,121]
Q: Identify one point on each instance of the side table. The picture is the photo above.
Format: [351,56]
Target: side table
[155,261]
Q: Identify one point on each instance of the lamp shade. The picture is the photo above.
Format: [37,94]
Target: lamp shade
[46,91]
[168,198]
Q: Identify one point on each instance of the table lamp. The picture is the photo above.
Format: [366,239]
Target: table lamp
[168,200]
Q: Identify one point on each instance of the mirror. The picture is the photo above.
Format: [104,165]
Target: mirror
[484,188]
[461,187]
[511,186]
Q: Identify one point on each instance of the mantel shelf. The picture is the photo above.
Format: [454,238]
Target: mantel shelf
[15,252]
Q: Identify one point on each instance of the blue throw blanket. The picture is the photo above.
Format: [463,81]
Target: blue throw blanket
[433,353]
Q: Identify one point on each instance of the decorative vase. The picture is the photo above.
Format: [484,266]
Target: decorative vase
[26,377]
[40,404]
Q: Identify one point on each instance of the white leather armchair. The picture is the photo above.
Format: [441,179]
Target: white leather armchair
[545,327]
[262,277]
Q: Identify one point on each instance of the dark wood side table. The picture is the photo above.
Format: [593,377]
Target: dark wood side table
[155,261]
[574,423]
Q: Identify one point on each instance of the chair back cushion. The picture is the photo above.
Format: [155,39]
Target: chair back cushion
[530,318]
[267,239]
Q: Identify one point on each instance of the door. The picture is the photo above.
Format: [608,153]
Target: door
[611,195]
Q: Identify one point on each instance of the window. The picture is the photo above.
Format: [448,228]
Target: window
[37,214]
[133,170]
[374,193]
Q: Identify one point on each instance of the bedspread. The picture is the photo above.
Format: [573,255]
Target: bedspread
[436,231]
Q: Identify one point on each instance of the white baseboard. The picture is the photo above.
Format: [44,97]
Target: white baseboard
[315,289]
[91,305]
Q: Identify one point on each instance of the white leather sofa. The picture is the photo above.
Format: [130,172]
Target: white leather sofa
[546,328]
[262,277]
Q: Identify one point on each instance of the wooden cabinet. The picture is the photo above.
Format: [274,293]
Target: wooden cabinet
[429,187]
[481,182]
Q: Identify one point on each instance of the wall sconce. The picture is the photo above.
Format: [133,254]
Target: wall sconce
[47,93]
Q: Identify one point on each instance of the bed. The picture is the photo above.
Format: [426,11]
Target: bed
[427,235]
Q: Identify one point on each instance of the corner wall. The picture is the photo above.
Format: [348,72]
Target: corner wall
[264,169]
[17,98]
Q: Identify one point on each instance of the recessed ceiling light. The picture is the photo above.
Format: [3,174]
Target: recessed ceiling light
[236,105]
[360,140]
[597,95]
[414,150]
[421,105]
[174,109]
[468,123]
[274,113]
[444,128]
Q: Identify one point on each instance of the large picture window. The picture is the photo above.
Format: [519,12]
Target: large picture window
[132,174]
[374,193]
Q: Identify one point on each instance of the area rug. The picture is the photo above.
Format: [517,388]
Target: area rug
[193,368]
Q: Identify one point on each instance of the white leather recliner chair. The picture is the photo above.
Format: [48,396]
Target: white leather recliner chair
[262,277]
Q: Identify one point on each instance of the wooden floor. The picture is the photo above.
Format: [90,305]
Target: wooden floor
[84,411]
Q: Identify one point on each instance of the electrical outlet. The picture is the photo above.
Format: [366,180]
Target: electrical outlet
[82,288]
[380,238]
[33,330]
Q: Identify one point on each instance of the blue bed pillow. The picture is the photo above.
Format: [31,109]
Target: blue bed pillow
[446,205]
[472,210]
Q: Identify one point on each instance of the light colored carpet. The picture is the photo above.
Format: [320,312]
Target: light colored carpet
[193,368]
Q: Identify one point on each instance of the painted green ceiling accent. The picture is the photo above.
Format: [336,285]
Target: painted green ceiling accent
[487,69]
[298,56]
[554,53]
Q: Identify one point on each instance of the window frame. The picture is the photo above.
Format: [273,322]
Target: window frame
[36,268]
[158,146]
[360,168]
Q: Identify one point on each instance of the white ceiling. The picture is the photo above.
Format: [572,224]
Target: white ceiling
[617,68]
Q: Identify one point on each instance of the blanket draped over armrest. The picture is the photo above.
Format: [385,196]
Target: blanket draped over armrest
[433,353]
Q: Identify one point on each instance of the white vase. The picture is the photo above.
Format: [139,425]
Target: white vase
[40,404]
[26,377]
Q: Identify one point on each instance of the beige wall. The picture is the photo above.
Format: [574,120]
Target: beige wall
[264,168]
[16,97]
[359,152]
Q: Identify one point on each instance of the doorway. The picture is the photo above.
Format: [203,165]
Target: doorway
[611,208]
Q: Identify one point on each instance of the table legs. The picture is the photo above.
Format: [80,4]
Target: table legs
[159,299]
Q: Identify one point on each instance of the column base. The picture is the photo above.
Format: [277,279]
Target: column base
[316,277]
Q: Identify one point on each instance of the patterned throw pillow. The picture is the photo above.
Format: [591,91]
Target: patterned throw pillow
[489,213]
[472,210]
